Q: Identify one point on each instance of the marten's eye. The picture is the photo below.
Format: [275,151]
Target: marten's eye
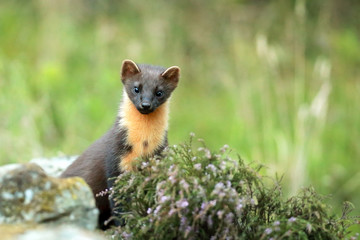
[136,90]
[159,93]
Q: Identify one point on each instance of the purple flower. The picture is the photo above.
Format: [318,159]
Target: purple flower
[183,223]
[184,184]
[292,219]
[126,235]
[172,179]
[219,186]
[239,208]
[171,212]
[220,214]
[224,148]
[268,231]
[211,167]
[222,165]
[207,153]
[229,218]
[182,203]
[157,209]
[164,199]
[188,230]
[171,167]
[149,211]
[221,195]
[276,223]
[212,203]
[197,166]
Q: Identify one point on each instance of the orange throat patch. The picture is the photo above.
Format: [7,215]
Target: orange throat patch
[145,132]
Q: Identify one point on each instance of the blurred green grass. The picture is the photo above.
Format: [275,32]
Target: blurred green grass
[279,81]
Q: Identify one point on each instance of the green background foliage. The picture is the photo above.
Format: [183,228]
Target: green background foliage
[276,80]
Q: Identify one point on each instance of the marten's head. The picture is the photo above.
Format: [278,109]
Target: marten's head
[148,86]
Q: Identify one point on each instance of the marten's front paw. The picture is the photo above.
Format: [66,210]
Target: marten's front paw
[127,164]
[127,167]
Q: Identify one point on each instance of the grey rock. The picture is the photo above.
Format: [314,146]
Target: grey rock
[7,168]
[28,195]
[54,166]
[40,232]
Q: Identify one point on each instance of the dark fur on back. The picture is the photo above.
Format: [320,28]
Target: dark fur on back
[90,166]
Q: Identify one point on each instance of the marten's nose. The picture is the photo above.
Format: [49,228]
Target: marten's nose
[145,105]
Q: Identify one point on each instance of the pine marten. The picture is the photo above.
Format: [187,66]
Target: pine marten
[140,130]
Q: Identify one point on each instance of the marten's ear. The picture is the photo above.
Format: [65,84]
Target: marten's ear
[172,74]
[128,69]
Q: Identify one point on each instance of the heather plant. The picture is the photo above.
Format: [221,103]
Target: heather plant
[200,194]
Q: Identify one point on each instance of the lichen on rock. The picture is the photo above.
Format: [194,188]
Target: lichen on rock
[28,195]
